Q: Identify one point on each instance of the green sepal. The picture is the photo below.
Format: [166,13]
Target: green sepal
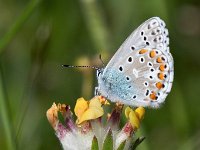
[95,145]
[122,145]
[136,143]
[108,142]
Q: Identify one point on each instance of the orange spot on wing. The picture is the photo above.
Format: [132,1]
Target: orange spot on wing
[152,54]
[159,85]
[161,76]
[162,67]
[153,96]
[158,60]
[142,51]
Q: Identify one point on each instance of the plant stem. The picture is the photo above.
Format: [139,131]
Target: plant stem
[96,24]
[6,121]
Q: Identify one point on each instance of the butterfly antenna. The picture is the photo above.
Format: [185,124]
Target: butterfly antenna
[101,60]
[70,66]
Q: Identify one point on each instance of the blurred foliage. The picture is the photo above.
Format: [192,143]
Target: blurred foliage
[37,36]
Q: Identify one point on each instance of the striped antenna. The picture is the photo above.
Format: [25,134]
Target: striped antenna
[70,66]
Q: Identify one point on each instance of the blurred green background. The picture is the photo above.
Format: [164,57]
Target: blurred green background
[37,36]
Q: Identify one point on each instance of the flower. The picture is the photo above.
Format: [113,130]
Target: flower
[89,130]
[88,110]
[135,116]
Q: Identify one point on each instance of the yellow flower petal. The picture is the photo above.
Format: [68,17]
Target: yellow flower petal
[80,107]
[135,117]
[127,111]
[95,102]
[92,111]
[135,122]
[140,111]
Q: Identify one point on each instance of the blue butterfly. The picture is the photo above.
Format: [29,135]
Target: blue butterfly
[141,71]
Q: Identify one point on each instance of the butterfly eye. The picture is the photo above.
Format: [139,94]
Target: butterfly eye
[98,73]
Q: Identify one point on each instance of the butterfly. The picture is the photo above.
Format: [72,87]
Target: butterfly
[141,71]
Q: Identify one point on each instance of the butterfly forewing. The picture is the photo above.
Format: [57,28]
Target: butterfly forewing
[151,34]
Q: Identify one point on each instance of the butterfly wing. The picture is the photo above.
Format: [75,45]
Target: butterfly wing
[141,71]
[151,34]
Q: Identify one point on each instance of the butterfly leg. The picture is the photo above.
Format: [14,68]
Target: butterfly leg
[96,91]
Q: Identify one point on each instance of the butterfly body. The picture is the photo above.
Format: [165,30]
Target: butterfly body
[141,71]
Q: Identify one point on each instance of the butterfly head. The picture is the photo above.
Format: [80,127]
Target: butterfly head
[99,72]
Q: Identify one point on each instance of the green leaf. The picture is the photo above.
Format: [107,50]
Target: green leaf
[136,143]
[122,145]
[95,145]
[108,142]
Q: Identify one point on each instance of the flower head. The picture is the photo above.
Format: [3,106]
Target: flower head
[89,131]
